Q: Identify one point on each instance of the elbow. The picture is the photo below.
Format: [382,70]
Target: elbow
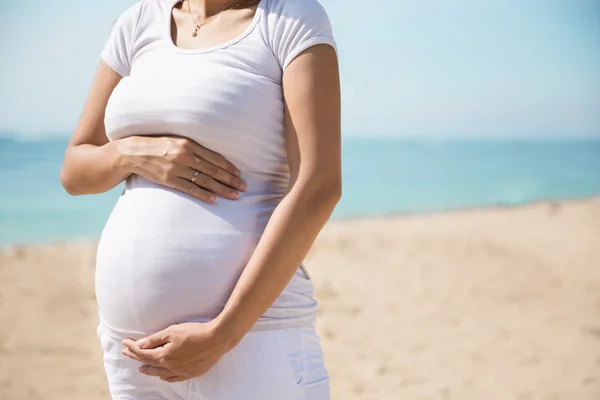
[68,176]
[65,177]
[327,198]
[67,181]
[324,195]
[334,192]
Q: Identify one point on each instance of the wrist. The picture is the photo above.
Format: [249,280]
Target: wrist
[125,159]
[230,328]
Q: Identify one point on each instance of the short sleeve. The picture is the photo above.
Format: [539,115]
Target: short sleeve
[117,52]
[297,25]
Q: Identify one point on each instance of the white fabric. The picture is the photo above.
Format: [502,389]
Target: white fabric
[165,257]
[270,365]
[287,27]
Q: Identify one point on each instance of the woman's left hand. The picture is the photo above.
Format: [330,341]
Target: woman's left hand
[179,352]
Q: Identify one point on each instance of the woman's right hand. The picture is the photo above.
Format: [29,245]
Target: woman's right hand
[172,161]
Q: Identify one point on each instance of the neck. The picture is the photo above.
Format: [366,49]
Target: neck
[210,7]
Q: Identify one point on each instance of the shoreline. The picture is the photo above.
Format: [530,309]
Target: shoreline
[468,209]
[553,204]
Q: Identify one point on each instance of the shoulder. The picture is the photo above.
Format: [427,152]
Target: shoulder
[294,9]
[128,18]
[142,9]
[133,12]
[133,21]
[295,25]
[293,15]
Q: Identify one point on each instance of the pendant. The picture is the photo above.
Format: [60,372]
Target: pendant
[195,33]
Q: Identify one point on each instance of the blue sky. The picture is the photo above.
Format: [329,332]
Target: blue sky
[509,68]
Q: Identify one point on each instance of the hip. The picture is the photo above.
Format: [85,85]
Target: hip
[267,365]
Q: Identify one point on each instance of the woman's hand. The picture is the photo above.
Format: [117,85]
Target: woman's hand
[180,352]
[172,161]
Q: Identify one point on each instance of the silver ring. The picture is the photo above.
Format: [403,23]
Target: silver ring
[196,173]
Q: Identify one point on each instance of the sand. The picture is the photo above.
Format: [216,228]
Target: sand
[482,304]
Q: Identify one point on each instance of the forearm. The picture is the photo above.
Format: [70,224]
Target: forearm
[89,169]
[290,233]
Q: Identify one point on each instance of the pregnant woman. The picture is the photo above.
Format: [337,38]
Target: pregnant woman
[223,119]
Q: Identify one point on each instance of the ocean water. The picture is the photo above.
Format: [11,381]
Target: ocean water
[380,176]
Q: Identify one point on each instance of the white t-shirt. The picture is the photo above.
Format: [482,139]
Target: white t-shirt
[165,257]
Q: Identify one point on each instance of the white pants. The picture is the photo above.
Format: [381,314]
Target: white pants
[266,365]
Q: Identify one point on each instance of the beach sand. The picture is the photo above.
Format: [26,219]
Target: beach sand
[483,304]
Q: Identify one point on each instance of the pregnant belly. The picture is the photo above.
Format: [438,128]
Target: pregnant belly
[166,258]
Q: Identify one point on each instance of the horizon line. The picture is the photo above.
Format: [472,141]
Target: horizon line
[62,136]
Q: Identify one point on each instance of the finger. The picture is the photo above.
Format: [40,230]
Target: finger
[152,341]
[157,371]
[215,159]
[178,183]
[191,188]
[175,379]
[206,182]
[153,355]
[221,175]
[128,353]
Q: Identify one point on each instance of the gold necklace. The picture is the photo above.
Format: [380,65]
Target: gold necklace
[197,27]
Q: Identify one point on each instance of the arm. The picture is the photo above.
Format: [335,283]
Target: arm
[312,94]
[92,164]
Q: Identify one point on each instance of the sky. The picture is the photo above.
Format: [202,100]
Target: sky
[424,68]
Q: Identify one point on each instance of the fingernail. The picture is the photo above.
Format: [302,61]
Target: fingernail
[212,198]
[237,172]
[140,343]
[242,186]
[235,194]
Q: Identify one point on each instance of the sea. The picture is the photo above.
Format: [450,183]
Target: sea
[380,176]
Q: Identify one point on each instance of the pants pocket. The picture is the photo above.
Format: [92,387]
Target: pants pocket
[302,350]
[305,272]
[256,369]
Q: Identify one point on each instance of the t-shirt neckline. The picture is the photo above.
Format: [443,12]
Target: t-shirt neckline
[247,31]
